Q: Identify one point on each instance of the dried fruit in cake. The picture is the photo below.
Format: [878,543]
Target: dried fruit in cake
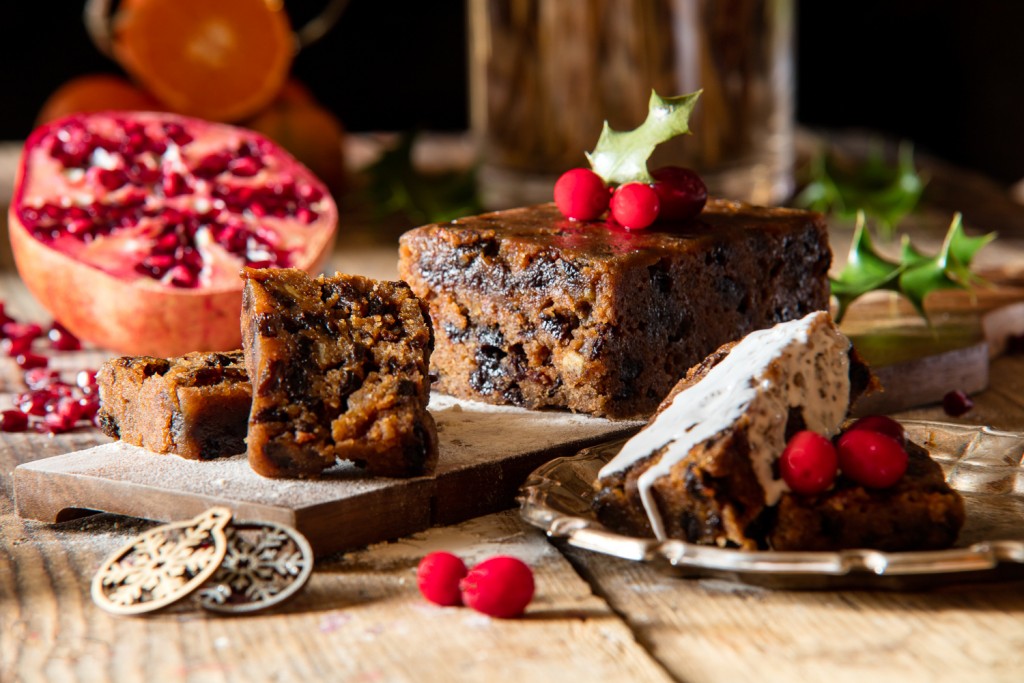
[221,60]
[195,406]
[130,228]
[706,468]
[532,309]
[339,369]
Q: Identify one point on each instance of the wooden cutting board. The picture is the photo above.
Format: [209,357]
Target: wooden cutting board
[486,452]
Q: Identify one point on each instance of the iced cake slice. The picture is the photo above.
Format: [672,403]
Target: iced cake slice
[532,309]
[339,369]
[706,467]
[195,406]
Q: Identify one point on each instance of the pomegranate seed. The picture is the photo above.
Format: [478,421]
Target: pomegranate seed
[176,133]
[86,381]
[581,195]
[13,421]
[110,179]
[173,185]
[246,167]
[89,406]
[808,463]
[62,339]
[871,458]
[182,276]
[305,215]
[882,425]
[438,576]
[259,210]
[212,165]
[956,403]
[681,191]
[80,226]
[33,402]
[500,587]
[40,378]
[29,360]
[310,193]
[635,205]
[16,330]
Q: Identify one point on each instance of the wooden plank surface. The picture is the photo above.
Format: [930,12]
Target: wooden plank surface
[485,453]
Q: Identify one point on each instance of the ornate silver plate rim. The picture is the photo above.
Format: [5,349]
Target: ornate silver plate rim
[981,462]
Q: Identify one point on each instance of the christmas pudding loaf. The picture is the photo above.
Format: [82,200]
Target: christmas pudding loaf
[339,370]
[195,406]
[533,309]
[740,455]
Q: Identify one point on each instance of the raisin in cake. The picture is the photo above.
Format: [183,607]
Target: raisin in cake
[532,309]
[705,468]
[195,406]
[339,369]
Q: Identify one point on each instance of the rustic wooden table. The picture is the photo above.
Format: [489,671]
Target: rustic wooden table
[594,618]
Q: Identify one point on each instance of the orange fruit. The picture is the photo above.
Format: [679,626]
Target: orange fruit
[222,60]
[92,93]
[309,131]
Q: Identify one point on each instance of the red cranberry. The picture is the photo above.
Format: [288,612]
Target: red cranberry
[13,421]
[882,425]
[956,403]
[871,458]
[635,205]
[438,577]
[581,195]
[681,191]
[500,587]
[808,463]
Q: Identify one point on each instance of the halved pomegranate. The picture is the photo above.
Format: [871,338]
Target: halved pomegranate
[131,227]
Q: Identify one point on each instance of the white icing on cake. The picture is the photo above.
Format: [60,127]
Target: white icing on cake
[803,363]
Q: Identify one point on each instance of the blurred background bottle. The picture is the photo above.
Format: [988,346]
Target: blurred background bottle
[545,74]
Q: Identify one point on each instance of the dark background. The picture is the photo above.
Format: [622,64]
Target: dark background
[944,73]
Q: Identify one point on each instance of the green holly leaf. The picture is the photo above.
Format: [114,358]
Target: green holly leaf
[621,156]
[915,275]
[885,193]
[866,270]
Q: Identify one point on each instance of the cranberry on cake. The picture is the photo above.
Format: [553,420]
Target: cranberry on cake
[339,369]
[533,309]
[195,406]
[706,468]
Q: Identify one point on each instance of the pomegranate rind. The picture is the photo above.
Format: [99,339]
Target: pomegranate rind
[140,316]
[199,60]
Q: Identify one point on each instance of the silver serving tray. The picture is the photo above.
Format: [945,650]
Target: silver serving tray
[984,464]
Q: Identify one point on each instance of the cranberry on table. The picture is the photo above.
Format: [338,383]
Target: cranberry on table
[635,205]
[681,191]
[438,576]
[808,464]
[883,425]
[581,194]
[500,587]
[871,458]
[956,403]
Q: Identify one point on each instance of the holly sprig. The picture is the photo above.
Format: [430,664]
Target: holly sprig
[621,156]
[886,193]
[914,275]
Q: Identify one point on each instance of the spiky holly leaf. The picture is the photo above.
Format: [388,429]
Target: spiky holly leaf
[915,275]
[621,156]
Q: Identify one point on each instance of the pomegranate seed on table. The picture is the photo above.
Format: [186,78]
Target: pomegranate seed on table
[438,576]
[499,587]
[13,421]
[956,403]
[681,191]
[871,458]
[33,402]
[635,205]
[61,339]
[808,464]
[581,194]
[883,425]
[29,360]
[40,378]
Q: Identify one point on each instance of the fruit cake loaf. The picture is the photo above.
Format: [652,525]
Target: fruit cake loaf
[195,406]
[339,369]
[532,309]
[706,467]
